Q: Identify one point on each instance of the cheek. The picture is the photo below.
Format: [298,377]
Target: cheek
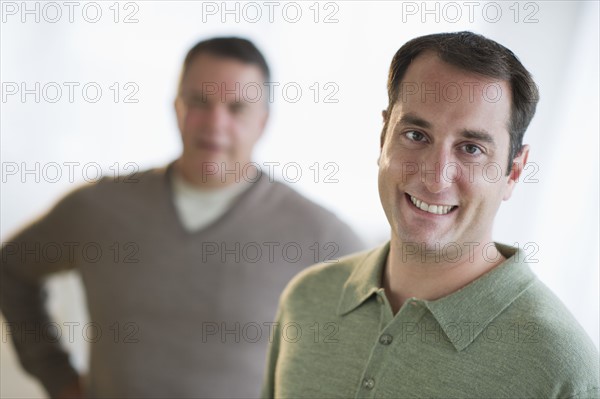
[399,166]
[484,194]
[388,179]
[193,119]
[185,123]
[245,131]
[383,187]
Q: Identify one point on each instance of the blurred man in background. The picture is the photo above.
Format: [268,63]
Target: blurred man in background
[190,258]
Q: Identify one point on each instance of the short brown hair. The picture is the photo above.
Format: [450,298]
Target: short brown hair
[473,53]
[228,47]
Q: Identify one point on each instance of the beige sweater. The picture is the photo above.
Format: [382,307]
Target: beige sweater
[193,311]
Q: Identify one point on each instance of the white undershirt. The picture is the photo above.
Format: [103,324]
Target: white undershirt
[197,207]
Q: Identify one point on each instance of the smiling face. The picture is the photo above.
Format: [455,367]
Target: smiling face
[442,167]
[220,117]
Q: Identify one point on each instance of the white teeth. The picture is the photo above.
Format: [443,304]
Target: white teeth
[435,209]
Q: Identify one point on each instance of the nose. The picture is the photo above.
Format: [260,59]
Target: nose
[438,172]
[216,118]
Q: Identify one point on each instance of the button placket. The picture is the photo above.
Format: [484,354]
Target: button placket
[390,331]
[385,315]
[375,364]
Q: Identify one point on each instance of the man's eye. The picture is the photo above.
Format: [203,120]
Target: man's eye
[414,135]
[236,107]
[197,102]
[472,149]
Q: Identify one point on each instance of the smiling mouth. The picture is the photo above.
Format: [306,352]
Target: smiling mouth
[430,208]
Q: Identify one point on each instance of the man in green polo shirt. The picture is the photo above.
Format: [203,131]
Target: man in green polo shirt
[441,310]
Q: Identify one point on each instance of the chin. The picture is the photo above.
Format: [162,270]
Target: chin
[213,158]
[423,242]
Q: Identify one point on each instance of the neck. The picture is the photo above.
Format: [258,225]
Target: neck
[209,177]
[430,275]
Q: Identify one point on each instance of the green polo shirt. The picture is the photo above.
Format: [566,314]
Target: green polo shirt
[504,335]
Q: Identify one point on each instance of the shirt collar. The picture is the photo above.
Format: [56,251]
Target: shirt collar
[364,280]
[476,305]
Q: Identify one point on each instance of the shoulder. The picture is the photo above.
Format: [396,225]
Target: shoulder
[286,197]
[544,308]
[321,283]
[93,201]
[308,218]
[86,205]
[138,183]
[557,340]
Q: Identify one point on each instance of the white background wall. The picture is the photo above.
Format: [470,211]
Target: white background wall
[556,211]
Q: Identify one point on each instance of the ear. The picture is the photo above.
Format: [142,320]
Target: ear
[384,116]
[179,112]
[518,165]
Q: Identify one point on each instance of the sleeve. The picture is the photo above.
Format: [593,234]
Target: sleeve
[40,249]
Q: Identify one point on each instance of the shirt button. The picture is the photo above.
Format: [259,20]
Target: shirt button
[414,303]
[380,299]
[386,339]
[369,383]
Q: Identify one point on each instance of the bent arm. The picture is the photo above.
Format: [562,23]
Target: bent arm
[26,261]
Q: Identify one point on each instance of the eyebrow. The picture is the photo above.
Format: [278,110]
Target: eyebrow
[200,96]
[193,94]
[412,119]
[480,135]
